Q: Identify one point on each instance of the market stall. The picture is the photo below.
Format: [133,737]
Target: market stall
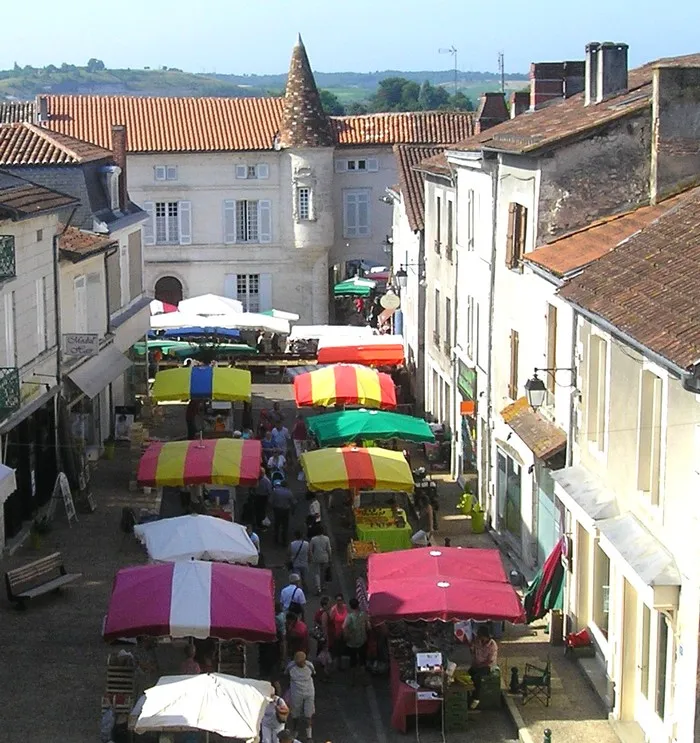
[202,383]
[387,528]
[346,426]
[345,384]
[354,287]
[374,350]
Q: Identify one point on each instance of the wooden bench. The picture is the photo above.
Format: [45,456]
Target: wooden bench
[36,578]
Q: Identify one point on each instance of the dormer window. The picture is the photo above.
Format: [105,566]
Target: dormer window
[110,174]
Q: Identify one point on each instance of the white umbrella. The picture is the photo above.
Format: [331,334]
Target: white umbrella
[229,706]
[243,321]
[291,316]
[210,304]
[314,332]
[196,538]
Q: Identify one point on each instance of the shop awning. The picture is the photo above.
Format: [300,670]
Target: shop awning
[581,493]
[643,560]
[375,350]
[315,332]
[94,374]
[8,483]
[542,437]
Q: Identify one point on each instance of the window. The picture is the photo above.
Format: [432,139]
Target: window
[438,224]
[517,231]
[601,590]
[113,180]
[39,235]
[80,318]
[436,319]
[303,203]
[7,257]
[649,436]
[471,327]
[248,291]
[513,379]
[551,350]
[247,221]
[471,225]
[356,213]
[260,171]
[646,643]
[95,303]
[167,222]
[42,330]
[448,249]
[597,390]
[448,325]
[123,274]
[661,666]
[10,330]
[165,172]
[368,164]
[508,496]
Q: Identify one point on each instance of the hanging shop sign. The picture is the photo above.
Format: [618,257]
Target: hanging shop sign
[466,381]
[81,344]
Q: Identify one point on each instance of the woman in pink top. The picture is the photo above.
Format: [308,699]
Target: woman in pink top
[336,619]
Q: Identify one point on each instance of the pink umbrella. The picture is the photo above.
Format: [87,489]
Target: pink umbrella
[192,598]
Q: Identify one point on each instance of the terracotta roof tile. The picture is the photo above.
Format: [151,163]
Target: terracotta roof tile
[20,198]
[411,181]
[77,244]
[541,436]
[576,250]
[417,127]
[649,285]
[533,130]
[437,165]
[27,144]
[15,112]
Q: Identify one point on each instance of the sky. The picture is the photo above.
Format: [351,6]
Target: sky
[230,36]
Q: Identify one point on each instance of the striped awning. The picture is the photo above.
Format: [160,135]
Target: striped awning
[345,384]
[202,383]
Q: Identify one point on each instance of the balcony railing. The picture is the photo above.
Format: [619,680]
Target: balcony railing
[7,257]
[9,390]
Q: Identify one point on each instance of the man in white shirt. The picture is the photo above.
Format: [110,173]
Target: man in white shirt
[302,692]
[292,593]
[281,437]
[299,557]
[321,555]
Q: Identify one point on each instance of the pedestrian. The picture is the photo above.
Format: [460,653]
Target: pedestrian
[292,596]
[321,554]
[320,634]
[286,736]
[274,717]
[484,657]
[254,538]
[275,415]
[355,631]
[425,516]
[299,557]
[297,634]
[190,665]
[263,491]
[277,462]
[280,437]
[336,616]
[268,446]
[300,435]
[247,416]
[282,502]
[193,418]
[302,693]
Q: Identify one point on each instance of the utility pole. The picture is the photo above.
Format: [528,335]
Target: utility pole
[502,71]
[453,51]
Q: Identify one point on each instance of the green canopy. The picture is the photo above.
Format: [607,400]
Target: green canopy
[183,349]
[355,287]
[335,429]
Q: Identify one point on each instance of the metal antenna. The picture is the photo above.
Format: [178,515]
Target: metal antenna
[502,71]
[453,51]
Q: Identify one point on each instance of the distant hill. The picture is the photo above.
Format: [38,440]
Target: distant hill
[24,83]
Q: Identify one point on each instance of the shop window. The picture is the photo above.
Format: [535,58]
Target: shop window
[601,590]
[661,667]
[508,484]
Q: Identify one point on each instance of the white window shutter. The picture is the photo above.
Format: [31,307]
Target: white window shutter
[241,171]
[341,166]
[149,231]
[229,219]
[372,164]
[171,173]
[231,285]
[262,171]
[265,220]
[123,273]
[80,304]
[350,217]
[40,315]
[184,219]
[265,291]
[160,172]
[363,215]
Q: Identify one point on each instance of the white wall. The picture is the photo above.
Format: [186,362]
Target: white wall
[96,298]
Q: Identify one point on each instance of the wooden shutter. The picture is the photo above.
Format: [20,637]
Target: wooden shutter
[510,236]
[521,234]
[123,275]
[350,214]
[265,292]
[262,171]
[10,335]
[184,219]
[551,345]
[372,164]
[40,314]
[241,171]
[513,385]
[229,221]
[363,215]
[96,302]
[265,221]
[231,285]
[160,172]
[149,227]
[80,304]
[171,173]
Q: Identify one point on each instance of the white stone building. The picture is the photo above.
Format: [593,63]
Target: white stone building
[266,200]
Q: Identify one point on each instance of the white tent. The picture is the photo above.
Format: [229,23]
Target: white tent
[314,332]
[226,705]
[210,304]
[242,321]
[196,538]
[364,341]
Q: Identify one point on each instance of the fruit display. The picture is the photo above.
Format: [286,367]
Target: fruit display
[380,518]
[361,550]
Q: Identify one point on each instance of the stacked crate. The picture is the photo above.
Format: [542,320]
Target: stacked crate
[456,707]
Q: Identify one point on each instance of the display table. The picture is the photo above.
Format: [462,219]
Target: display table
[403,700]
[387,538]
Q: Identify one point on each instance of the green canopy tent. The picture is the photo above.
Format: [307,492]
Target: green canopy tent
[183,349]
[355,287]
[335,429]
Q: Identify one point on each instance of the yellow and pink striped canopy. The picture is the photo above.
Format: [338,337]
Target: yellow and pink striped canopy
[345,384]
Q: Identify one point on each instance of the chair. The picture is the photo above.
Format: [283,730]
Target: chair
[537,683]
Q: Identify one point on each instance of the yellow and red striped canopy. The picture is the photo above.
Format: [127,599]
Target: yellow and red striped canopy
[206,462]
[349,468]
[345,384]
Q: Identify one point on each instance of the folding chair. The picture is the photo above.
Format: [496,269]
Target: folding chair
[537,683]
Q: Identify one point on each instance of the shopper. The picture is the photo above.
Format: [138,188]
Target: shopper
[263,491]
[355,631]
[321,555]
[337,616]
[292,596]
[275,716]
[484,657]
[299,557]
[190,665]
[297,634]
[302,693]
[282,502]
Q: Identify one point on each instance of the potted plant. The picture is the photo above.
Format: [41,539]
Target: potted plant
[40,525]
[109,445]
[466,502]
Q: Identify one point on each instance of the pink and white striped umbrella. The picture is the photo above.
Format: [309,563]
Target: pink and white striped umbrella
[160,308]
[192,599]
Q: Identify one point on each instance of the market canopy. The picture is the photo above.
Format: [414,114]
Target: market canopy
[345,426]
[315,332]
[209,305]
[196,537]
[185,349]
[446,583]
[353,468]
[355,287]
[345,384]
[281,314]
[197,332]
[242,321]
[192,599]
[226,705]
[201,462]
[375,350]
[202,383]
[158,308]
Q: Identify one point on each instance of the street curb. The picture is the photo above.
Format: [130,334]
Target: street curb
[524,735]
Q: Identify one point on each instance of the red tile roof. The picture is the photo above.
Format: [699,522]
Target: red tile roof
[15,112]
[541,436]
[77,244]
[233,124]
[437,165]
[576,250]
[649,285]
[20,199]
[533,130]
[411,181]
[27,144]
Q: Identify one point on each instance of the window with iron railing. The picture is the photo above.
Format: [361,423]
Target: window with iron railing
[7,257]
[9,390]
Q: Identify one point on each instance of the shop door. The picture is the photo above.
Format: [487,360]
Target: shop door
[548,515]
[508,488]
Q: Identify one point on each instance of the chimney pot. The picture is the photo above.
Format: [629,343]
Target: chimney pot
[119,145]
[606,70]
[43,110]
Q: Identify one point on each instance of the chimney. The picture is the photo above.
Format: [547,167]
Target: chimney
[492,110]
[519,102]
[551,81]
[119,152]
[42,111]
[606,70]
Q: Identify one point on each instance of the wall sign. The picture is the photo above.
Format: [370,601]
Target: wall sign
[81,344]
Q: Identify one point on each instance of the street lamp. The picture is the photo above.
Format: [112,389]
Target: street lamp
[536,392]
[401,276]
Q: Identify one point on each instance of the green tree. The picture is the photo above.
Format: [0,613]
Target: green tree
[95,65]
[356,108]
[389,94]
[331,103]
[460,102]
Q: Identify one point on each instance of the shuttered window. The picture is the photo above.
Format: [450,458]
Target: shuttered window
[80,304]
[551,347]
[517,233]
[247,221]
[513,379]
[170,223]
[356,213]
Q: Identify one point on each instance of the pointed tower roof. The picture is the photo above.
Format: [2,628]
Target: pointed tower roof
[304,124]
